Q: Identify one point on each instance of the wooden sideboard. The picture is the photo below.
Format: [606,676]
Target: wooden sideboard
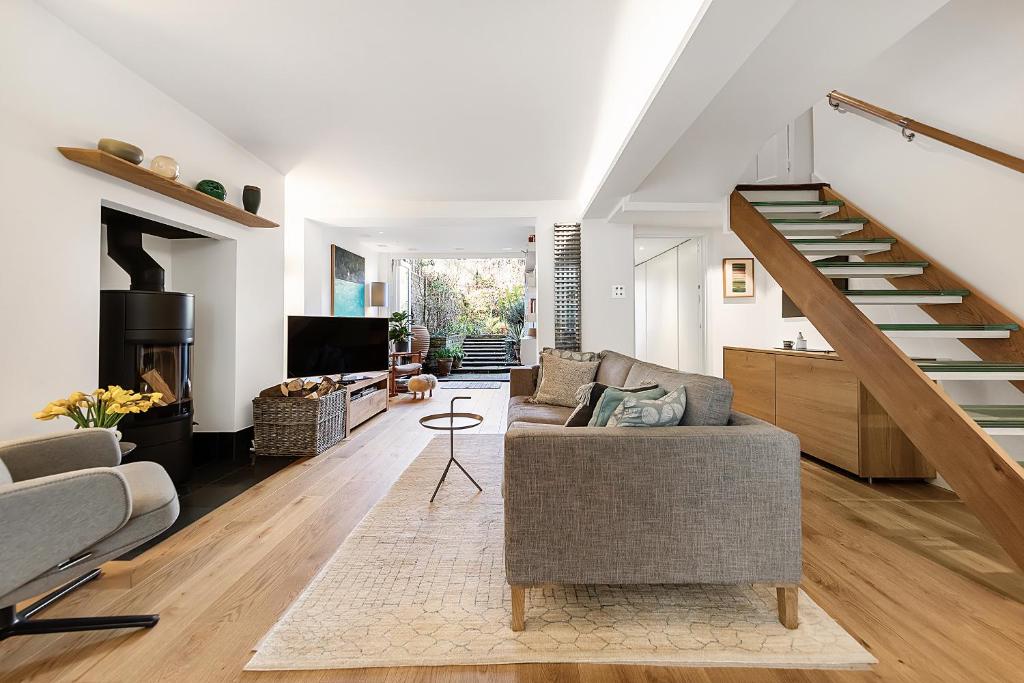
[815,396]
[358,411]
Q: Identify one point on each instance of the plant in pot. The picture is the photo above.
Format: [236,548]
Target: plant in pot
[398,331]
[457,356]
[443,358]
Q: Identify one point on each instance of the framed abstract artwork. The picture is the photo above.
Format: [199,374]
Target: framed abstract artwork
[737,278]
[348,283]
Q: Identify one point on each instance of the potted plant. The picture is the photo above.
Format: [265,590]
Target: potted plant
[457,356]
[399,332]
[443,358]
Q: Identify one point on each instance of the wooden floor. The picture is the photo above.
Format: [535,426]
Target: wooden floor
[904,567]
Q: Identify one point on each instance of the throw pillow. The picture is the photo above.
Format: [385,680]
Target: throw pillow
[561,353]
[666,411]
[561,379]
[612,397]
[589,395]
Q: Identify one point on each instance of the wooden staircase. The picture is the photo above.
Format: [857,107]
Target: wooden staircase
[788,227]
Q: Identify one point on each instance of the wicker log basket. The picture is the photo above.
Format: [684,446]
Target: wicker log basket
[298,426]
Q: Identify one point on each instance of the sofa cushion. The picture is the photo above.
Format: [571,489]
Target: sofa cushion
[666,411]
[560,353]
[708,399]
[589,395]
[522,409]
[614,368]
[561,378]
[612,398]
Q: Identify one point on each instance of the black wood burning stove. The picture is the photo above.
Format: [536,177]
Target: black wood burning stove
[146,337]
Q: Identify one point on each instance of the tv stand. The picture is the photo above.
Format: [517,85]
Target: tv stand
[361,408]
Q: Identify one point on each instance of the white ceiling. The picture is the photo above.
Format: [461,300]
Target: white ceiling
[646,248]
[459,238]
[385,99]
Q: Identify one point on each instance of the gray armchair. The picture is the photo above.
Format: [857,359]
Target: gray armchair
[67,505]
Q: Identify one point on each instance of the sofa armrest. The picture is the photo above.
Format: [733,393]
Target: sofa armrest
[523,380]
[51,519]
[41,456]
[653,505]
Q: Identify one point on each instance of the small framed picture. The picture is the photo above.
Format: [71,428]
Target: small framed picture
[738,278]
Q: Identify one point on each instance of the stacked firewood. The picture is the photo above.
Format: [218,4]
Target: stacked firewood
[310,387]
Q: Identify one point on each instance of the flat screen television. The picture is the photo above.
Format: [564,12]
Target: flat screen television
[325,345]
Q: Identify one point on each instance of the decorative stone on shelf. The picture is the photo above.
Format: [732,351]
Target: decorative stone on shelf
[212,188]
[165,166]
[121,149]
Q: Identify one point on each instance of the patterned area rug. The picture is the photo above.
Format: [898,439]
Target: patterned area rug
[420,584]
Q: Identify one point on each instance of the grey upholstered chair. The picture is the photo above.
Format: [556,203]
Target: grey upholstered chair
[67,505]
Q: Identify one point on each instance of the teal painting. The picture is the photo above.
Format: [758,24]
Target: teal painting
[348,277]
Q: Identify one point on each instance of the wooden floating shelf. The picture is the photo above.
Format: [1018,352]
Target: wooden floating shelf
[143,177]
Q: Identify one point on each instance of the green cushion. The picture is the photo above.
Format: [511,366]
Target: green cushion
[612,397]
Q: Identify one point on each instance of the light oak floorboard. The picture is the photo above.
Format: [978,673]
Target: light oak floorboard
[903,566]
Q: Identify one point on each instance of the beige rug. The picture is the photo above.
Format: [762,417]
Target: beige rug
[417,584]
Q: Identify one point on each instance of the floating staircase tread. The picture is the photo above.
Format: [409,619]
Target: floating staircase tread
[906,292]
[821,203]
[997,416]
[817,221]
[840,240]
[782,187]
[867,265]
[970,364]
[953,328]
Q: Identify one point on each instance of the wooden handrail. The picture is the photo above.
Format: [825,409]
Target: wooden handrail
[910,127]
[980,471]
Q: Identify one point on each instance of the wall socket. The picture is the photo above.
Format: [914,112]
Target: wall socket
[618,291]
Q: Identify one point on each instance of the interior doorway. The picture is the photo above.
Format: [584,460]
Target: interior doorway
[668,278]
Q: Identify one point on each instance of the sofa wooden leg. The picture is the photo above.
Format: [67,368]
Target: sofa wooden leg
[787,596]
[518,608]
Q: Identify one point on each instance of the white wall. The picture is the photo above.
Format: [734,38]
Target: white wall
[607,252]
[60,89]
[318,239]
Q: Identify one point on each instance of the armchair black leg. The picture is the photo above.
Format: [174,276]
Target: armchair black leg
[15,623]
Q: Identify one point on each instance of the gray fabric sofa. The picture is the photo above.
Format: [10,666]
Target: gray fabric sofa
[67,505]
[716,500]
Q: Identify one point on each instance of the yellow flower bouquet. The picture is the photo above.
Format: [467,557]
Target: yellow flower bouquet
[102,408]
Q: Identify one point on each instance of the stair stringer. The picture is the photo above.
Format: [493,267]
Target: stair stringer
[976,309]
[981,472]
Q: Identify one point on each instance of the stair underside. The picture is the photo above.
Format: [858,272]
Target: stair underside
[903,297]
[936,330]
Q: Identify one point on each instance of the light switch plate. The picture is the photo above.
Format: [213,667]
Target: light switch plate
[618,291]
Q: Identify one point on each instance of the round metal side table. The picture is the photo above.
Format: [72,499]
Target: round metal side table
[452,422]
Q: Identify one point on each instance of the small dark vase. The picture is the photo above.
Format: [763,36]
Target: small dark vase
[251,198]
[403,346]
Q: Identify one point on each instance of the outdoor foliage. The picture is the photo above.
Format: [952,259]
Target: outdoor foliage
[467,297]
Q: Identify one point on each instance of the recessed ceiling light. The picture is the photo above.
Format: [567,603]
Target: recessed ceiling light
[506,248]
[413,249]
[382,245]
[641,248]
[380,232]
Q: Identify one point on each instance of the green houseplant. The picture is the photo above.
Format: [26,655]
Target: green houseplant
[444,357]
[398,331]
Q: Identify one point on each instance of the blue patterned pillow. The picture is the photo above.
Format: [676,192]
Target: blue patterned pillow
[635,411]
